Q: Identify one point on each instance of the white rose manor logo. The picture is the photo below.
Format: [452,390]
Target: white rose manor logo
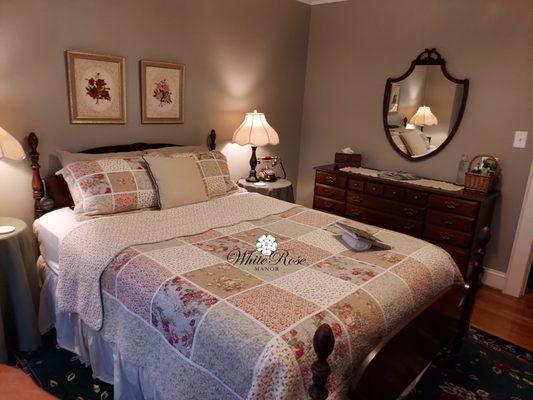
[266,257]
[266,245]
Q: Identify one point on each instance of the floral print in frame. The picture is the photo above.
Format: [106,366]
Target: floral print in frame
[97,88]
[161,92]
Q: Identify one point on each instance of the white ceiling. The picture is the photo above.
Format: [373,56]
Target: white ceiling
[316,2]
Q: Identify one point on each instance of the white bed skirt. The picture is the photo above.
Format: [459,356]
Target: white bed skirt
[130,381]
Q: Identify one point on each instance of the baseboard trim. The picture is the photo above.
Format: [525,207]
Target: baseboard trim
[494,278]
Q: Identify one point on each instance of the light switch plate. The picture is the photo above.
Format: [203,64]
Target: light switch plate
[520,139]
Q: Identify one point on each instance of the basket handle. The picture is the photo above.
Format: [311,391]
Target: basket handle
[488,156]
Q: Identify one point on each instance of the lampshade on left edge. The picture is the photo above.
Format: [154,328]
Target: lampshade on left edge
[10,147]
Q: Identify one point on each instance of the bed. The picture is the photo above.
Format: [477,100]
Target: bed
[178,304]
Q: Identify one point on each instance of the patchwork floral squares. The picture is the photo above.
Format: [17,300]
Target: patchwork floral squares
[314,218]
[348,269]
[176,311]
[109,186]
[363,319]
[116,264]
[417,277]
[223,246]
[222,279]
[381,258]
[252,235]
[201,237]
[274,307]
[300,339]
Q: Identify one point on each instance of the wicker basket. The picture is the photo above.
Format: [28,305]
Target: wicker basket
[478,182]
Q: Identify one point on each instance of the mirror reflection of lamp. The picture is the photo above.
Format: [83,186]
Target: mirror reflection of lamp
[423,117]
[256,131]
[11,149]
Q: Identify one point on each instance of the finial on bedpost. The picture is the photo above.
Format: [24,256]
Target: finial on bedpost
[36,182]
[212,140]
[323,342]
[474,283]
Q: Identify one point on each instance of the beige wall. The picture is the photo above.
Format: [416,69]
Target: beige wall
[239,55]
[354,46]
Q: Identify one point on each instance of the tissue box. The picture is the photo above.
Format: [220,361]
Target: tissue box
[347,160]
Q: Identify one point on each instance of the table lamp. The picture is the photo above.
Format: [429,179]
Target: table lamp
[255,131]
[424,117]
[9,148]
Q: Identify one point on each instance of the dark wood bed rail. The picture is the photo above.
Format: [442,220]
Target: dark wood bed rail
[436,325]
[57,184]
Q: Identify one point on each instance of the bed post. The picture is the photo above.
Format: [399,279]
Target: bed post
[323,342]
[212,140]
[475,282]
[36,181]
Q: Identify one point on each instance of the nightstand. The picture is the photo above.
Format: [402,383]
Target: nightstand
[280,189]
[19,289]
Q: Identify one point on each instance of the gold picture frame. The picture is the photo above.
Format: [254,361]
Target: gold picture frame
[162,89]
[96,87]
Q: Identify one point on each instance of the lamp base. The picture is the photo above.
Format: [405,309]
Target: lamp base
[253,163]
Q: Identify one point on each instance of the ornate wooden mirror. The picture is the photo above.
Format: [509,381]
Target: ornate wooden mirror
[423,108]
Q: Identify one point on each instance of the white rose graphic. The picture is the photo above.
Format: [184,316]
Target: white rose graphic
[266,245]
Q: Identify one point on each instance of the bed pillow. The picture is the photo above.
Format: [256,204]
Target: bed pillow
[109,186]
[178,181]
[414,142]
[66,157]
[168,151]
[215,172]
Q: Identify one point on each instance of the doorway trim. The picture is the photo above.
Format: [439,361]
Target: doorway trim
[522,251]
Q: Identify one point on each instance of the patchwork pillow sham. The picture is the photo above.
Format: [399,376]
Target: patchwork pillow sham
[214,169]
[109,186]
[66,157]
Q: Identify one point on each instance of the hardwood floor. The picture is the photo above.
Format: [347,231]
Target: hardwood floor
[505,316]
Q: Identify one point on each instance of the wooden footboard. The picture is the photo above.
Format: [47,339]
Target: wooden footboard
[403,354]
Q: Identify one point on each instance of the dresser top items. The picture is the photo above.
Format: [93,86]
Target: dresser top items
[364,172]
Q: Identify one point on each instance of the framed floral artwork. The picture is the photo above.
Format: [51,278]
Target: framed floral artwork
[97,88]
[161,92]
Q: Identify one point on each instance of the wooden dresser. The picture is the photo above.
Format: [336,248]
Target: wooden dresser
[449,219]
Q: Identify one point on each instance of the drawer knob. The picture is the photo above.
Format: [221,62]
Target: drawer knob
[409,211]
[355,184]
[394,192]
[445,236]
[331,179]
[452,205]
[415,197]
[356,199]
[329,193]
[328,205]
[447,222]
[373,188]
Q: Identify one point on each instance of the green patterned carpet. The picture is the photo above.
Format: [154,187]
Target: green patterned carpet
[486,368]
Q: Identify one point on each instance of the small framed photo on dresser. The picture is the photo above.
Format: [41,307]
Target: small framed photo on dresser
[161,92]
[97,88]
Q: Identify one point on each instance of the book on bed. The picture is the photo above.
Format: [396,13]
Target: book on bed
[359,240]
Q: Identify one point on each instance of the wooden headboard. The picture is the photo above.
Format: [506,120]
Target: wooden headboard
[56,186]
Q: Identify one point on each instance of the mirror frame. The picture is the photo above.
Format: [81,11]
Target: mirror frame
[427,57]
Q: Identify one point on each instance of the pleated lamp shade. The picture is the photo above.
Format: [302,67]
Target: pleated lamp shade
[424,117]
[10,147]
[256,131]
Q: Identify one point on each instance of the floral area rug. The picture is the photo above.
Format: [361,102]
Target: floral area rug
[486,368]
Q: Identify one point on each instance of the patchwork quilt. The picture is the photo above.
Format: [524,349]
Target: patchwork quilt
[234,307]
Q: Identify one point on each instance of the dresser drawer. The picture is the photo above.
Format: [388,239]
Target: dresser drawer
[451,221]
[330,179]
[415,197]
[354,197]
[324,204]
[388,221]
[330,192]
[447,236]
[453,205]
[356,184]
[374,188]
[391,207]
[393,192]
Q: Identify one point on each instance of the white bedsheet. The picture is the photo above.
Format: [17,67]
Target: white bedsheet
[50,229]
